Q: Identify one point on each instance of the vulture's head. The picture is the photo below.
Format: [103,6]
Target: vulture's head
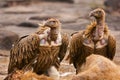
[53,23]
[55,26]
[98,31]
[97,13]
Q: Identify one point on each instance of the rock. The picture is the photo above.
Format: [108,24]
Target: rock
[113,22]
[7,38]
[28,24]
[76,26]
[67,18]
[8,3]
[42,17]
[3,4]
[70,1]
[112,5]
[16,2]
[21,10]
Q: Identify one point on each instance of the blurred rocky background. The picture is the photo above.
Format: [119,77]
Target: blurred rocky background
[21,17]
[112,5]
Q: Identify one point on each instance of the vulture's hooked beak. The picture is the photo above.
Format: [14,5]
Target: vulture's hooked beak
[50,24]
[91,16]
[42,24]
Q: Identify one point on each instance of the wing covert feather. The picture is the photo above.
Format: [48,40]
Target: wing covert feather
[63,47]
[75,48]
[23,51]
[111,48]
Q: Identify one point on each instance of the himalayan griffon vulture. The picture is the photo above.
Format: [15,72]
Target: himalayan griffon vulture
[47,46]
[95,39]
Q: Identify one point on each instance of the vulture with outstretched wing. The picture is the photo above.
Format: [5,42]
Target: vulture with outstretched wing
[47,45]
[96,39]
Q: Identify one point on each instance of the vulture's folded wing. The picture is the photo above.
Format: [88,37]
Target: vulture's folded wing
[63,47]
[63,50]
[23,51]
[75,49]
[111,48]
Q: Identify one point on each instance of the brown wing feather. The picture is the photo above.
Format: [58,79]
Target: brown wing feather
[46,58]
[75,49]
[62,51]
[23,51]
[63,47]
[111,48]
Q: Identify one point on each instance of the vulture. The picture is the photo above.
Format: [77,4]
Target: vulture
[44,48]
[95,39]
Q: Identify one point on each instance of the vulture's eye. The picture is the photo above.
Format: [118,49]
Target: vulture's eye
[53,21]
[99,11]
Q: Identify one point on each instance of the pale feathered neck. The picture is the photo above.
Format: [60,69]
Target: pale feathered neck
[91,27]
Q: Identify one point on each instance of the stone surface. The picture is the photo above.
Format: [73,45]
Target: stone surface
[112,5]
[7,38]
[70,1]
[28,24]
